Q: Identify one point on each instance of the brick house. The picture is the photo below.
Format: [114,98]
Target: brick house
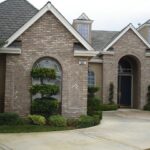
[80,56]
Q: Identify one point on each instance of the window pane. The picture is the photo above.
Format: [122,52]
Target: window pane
[91,78]
[83,29]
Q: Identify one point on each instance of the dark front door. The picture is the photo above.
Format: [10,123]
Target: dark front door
[125,90]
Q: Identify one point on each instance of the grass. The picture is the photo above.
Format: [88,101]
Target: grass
[31,128]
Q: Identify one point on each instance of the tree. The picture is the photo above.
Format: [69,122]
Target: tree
[111,93]
[46,105]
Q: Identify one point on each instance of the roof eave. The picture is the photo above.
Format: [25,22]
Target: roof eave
[10,51]
[49,7]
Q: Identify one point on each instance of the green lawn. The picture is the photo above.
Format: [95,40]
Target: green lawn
[31,128]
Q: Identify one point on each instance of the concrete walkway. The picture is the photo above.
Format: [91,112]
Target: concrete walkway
[120,130]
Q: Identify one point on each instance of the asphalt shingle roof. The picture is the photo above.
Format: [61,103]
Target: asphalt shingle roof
[13,15]
[102,38]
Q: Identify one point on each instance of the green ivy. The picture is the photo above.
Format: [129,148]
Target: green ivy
[44,89]
[43,73]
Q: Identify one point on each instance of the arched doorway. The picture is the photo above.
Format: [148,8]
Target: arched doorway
[128,82]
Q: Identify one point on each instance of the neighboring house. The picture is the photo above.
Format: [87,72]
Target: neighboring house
[80,56]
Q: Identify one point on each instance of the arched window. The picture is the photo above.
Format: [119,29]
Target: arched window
[52,64]
[91,78]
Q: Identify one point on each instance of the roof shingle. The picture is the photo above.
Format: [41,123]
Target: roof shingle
[13,15]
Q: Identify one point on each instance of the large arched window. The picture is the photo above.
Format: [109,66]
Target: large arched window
[52,64]
[91,78]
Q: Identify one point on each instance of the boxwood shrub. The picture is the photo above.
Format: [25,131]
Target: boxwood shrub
[85,121]
[57,121]
[72,122]
[37,119]
[147,107]
[9,119]
[45,107]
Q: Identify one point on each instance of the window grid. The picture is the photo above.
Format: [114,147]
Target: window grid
[91,78]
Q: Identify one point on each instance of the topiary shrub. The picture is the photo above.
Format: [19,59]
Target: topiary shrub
[46,90]
[37,119]
[85,121]
[45,107]
[108,107]
[57,121]
[93,105]
[147,106]
[111,93]
[91,91]
[43,73]
[9,119]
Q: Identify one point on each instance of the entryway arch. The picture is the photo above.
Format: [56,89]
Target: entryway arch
[129,74]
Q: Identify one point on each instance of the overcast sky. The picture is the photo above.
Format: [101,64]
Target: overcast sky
[107,14]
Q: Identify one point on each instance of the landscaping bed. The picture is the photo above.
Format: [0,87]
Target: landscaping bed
[30,128]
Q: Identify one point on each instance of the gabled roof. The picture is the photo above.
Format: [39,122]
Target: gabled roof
[13,15]
[58,15]
[100,39]
[83,16]
[125,30]
[147,23]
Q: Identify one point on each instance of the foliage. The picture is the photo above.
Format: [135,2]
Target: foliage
[99,113]
[111,93]
[57,120]
[108,107]
[45,89]
[30,128]
[43,73]
[92,91]
[85,121]
[147,106]
[37,119]
[9,119]
[96,119]
[71,122]
[45,107]
[148,95]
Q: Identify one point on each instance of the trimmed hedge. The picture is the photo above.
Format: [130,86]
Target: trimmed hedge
[85,121]
[57,121]
[45,107]
[37,119]
[43,73]
[147,107]
[44,89]
[108,107]
[72,122]
[9,119]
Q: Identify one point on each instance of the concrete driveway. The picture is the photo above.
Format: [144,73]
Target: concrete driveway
[120,130]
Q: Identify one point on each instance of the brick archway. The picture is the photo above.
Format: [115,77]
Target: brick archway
[129,74]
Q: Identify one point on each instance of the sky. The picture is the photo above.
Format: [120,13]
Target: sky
[107,14]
